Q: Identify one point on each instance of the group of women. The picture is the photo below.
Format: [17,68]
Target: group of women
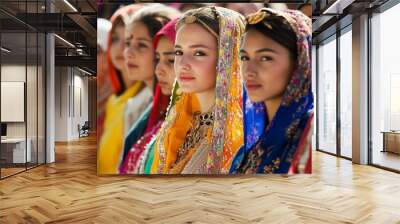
[208,91]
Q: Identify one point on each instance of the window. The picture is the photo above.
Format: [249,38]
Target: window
[327,96]
[346,75]
[385,88]
[22,75]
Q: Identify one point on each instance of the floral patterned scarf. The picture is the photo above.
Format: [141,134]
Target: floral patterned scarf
[227,134]
[270,146]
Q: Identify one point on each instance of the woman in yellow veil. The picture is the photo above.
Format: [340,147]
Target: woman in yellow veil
[203,128]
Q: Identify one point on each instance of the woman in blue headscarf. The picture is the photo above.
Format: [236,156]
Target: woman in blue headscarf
[277,100]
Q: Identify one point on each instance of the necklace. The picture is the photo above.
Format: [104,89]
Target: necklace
[200,125]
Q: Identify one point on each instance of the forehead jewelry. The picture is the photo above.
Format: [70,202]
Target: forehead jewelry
[256,17]
[192,18]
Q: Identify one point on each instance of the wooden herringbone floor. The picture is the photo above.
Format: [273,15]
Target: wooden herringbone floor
[70,192]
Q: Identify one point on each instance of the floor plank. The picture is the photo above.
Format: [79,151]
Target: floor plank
[69,191]
[387,159]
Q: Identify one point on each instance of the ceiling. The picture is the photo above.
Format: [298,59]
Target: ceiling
[23,22]
[332,15]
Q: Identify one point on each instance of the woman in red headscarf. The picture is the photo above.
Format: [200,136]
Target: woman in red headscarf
[137,71]
[165,56]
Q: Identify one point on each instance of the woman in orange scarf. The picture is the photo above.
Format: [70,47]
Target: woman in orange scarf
[203,130]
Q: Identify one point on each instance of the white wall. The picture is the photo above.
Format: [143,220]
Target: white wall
[61,103]
[12,73]
[33,127]
[16,73]
[71,93]
[81,83]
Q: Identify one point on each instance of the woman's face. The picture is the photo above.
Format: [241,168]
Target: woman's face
[139,53]
[165,57]
[195,59]
[117,47]
[267,67]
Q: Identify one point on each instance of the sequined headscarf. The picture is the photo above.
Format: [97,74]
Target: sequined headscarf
[277,140]
[227,133]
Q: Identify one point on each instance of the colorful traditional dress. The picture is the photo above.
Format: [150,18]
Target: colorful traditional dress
[150,122]
[193,143]
[135,107]
[281,145]
[110,142]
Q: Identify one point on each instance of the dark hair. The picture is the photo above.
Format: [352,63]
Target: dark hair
[278,29]
[154,17]
[118,22]
[154,23]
